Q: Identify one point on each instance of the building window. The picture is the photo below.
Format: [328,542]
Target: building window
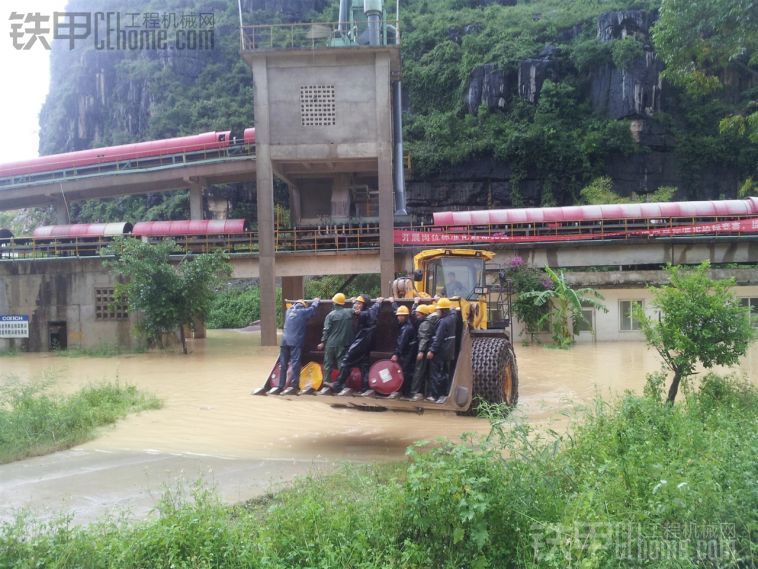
[752,305]
[317,105]
[628,322]
[587,322]
[106,306]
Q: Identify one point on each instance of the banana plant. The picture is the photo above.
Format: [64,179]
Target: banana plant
[566,306]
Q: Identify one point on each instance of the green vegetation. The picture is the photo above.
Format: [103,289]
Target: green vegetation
[600,191]
[700,321]
[558,143]
[565,305]
[34,422]
[559,140]
[100,351]
[517,498]
[527,279]
[350,285]
[698,41]
[166,295]
[625,52]
[236,307]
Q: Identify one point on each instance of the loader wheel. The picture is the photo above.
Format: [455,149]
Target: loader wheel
[495,373]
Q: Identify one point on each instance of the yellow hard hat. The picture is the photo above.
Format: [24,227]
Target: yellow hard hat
[360,299]
[425,309]
[338,298]
[301,301]
[444,303]
[403,311]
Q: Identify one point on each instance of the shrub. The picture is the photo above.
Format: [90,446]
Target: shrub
[235,308]
[626,51]
[32,422]
[666,476]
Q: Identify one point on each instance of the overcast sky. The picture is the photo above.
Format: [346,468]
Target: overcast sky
[26,78]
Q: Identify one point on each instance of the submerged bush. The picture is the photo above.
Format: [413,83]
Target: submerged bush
[34,422]
[636,483]
[235,308]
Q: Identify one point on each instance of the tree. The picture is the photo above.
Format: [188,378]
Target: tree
[567,305]
[166,294]
[699,40]
[527,279]
[700,321]
[600,191]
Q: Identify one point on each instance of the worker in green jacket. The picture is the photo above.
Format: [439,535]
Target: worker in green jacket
[337,335]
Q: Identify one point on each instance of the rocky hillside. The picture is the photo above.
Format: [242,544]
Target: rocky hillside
[509,103]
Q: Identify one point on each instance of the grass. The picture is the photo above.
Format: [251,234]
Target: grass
[681,475]
[34,422]
[99,351]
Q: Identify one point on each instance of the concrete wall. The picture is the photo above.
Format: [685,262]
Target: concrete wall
[60,290]
[354,80]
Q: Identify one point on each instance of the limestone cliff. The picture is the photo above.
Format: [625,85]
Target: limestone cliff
[510,103]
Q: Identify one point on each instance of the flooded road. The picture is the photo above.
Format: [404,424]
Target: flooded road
[211,427]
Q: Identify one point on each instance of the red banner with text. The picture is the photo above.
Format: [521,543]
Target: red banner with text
[437,237]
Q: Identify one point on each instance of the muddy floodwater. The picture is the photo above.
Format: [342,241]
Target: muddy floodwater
[209,419]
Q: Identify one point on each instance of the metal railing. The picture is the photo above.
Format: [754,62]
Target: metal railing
[312,35]
[337,238]
[240,150]
[333,238]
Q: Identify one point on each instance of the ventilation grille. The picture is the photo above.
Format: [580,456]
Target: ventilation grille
[317,107]
[106,306]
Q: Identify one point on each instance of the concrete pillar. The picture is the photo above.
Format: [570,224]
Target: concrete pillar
[384,164]
[61,212]
[294,204]
[341,197]
[265,201]
[267,264]
[197,188]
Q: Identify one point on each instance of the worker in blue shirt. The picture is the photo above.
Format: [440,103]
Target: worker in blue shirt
[442,352]
[291,349]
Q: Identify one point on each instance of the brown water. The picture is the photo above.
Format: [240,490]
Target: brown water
[208,410]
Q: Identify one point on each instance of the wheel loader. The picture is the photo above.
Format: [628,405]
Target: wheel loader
[485,364]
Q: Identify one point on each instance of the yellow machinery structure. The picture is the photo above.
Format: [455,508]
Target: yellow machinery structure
[485,364]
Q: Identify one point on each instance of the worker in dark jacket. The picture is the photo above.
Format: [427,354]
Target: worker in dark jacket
[406,348]
[427,318]
[442,352]
[291,349]
[337,335]
[357,354]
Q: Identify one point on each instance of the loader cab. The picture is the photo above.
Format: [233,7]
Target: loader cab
[454,276]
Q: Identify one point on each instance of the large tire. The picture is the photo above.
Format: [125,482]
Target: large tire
[495,373]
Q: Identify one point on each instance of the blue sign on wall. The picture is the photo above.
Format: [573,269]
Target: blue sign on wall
[14,326]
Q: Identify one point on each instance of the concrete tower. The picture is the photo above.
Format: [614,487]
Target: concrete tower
[324,126]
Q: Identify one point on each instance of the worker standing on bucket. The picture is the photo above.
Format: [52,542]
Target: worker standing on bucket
[357,354]
[291,349]
[406,348]
[426,315]
[337,335]
[441,352]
